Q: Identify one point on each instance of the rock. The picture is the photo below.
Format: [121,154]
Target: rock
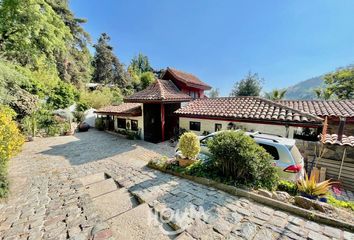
[84,127]
[281,196]
[265,193]
[322,207]
[303,202]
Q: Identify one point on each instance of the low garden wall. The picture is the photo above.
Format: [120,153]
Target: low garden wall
[330,157]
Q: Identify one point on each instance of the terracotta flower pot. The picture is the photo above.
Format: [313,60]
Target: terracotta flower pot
[184,162]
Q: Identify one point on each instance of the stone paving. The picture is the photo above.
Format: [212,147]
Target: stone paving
[48,200]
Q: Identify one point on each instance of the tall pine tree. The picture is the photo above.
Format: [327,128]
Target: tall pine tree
[108,69]
[75,65]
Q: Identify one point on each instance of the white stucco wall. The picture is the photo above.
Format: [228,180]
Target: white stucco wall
[128,119]
[209,126]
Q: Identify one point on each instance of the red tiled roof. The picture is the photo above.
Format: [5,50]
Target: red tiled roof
[160,91]
[124,109]
[246,108]
[188,79]
[338,108]
[333,139]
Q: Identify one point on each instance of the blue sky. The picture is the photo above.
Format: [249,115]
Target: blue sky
[284,41]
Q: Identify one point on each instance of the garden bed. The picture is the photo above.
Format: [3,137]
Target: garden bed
[337,217]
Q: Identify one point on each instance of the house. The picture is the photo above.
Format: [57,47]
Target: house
[122,117]
[339,115]
[152,109]
[177,100]
[249,113]
[186,82]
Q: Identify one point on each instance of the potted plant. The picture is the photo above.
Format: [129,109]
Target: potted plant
[310,188]
[190,147]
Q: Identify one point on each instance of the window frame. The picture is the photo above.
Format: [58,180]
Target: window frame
[192,123]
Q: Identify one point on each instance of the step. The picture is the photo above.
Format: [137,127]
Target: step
[102,187]
[136,224]
[115,203]
[98,177]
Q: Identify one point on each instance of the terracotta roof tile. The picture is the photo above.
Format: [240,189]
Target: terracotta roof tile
[188,79]
[338,108]
[160,91]
[333,139]
[251,108]
[132,109]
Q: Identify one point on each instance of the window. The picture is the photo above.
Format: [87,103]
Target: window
[134,125]
[271,150]
[218,127]
[195,126]
[194,94]
[122,123]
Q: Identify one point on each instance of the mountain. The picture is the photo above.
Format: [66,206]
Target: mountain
[305,89]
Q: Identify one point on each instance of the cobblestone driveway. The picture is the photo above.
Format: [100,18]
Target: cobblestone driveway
[48,200]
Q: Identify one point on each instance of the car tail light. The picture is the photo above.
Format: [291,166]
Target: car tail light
[293,168]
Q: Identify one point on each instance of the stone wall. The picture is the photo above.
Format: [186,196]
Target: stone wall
[330,158]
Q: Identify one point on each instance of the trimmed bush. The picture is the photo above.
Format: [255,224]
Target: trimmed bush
[189,145]
[241,159]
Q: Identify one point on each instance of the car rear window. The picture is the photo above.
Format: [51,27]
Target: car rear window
[271,150]
[296,154]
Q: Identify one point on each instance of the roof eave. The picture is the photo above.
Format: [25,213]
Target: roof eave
[269,121]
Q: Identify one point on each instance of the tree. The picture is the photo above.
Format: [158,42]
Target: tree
[341,83]
[276,94]
[108,69]
[323,93]
[214,93]
[251,85]
[30,30]
[75,65]
[146,79]
[63,95]
[140,64]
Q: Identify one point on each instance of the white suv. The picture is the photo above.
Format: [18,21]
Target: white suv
[287,157]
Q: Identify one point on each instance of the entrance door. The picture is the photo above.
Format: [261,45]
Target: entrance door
[152,123]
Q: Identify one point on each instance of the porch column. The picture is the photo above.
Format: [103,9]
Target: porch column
[162,122]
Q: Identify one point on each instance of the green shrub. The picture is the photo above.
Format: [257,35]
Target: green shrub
[338,203]
[102,97]
[189,145]
[99,124]
[132,135]
[63,95]
[82,106]
[30,125]
[161,163]
[79,116]
[287,186]
[239,158]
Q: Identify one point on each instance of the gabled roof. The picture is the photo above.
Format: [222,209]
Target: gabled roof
[159,91]
[124,109]
[322,108]
[254,109]
[187,78]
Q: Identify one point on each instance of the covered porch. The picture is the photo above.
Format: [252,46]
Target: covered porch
[160,100]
